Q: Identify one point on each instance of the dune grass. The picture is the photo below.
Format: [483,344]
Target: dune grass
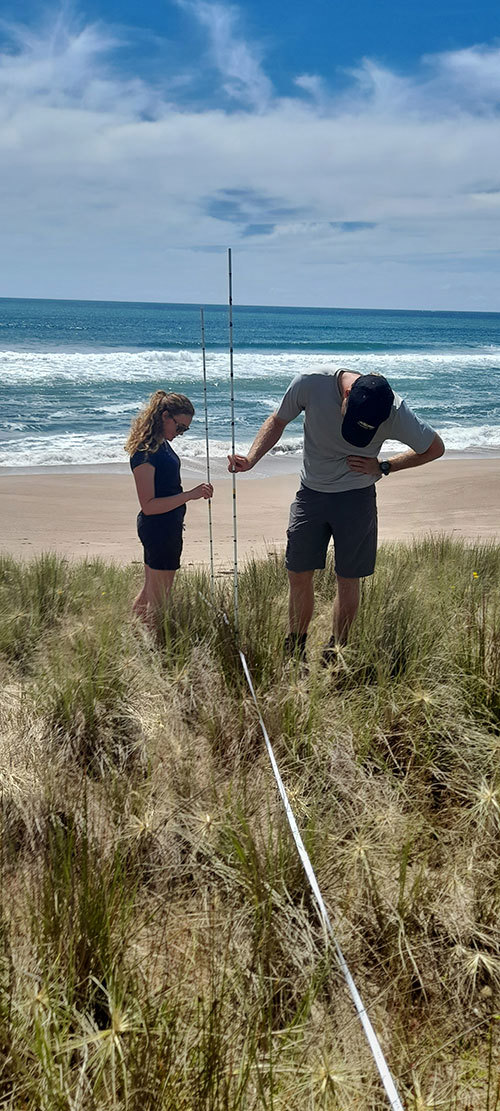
[158,945]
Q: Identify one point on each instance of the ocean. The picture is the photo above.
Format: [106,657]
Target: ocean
[73,374]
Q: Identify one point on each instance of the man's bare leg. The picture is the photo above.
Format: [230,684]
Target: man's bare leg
[301,601]
[345,608]
[301,605]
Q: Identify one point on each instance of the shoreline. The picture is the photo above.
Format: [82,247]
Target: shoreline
[88,514]
[269,467]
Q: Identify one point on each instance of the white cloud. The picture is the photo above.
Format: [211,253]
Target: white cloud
[379,88]
[52,64]
[111,189]
[313,84]
[238,61]
[471,78]
[445,84]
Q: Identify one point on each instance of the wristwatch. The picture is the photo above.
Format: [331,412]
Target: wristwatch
[385,467]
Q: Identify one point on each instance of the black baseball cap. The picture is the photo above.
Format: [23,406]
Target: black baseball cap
[368,405]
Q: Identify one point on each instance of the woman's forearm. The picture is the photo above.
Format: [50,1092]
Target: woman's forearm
[164,505]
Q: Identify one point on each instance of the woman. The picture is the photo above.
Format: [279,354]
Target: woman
[156,469]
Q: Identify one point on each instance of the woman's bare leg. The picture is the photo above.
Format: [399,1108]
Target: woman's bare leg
[159,585]
[153,596]
[140,604]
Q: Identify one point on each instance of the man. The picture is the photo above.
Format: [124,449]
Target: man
[337,499]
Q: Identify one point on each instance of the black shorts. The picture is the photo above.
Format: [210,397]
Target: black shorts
[350,517]
[161,538]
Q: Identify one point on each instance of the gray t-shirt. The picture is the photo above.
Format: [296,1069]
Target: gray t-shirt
[325,450]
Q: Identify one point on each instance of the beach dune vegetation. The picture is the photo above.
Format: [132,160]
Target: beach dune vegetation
[159,946]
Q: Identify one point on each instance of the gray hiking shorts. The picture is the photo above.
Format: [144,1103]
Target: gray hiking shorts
[350,517]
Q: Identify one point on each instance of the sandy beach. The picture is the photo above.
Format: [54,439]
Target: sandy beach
[85,515]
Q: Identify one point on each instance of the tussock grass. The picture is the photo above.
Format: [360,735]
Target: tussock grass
[158,944]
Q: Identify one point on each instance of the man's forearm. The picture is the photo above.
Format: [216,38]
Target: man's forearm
[415,459]
[268,435]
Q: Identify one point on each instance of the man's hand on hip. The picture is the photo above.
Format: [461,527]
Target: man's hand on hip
[402,462]
[362,465]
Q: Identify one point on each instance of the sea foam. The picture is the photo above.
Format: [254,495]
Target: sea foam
[65,408]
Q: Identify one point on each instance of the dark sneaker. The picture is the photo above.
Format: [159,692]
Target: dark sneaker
[294,650]
[330,654]
[295,645]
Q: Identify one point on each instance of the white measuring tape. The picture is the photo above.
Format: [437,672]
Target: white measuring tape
[371,1036]
[383,1068]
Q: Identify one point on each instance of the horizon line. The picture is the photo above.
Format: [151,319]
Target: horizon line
[236,306]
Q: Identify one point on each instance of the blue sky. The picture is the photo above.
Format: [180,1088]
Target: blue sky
[348,152]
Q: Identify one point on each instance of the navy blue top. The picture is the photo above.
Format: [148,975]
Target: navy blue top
[167,467]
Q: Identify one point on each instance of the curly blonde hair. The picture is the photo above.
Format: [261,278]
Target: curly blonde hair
[146,432]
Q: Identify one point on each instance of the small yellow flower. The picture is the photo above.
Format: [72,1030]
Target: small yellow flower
[475,575]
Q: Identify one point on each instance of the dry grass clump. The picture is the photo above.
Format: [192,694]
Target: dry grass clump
[159,948]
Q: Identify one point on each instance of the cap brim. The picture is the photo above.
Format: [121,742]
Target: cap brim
[358,437]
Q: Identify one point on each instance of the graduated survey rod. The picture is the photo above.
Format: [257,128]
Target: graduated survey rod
[210,533]
[233,449]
